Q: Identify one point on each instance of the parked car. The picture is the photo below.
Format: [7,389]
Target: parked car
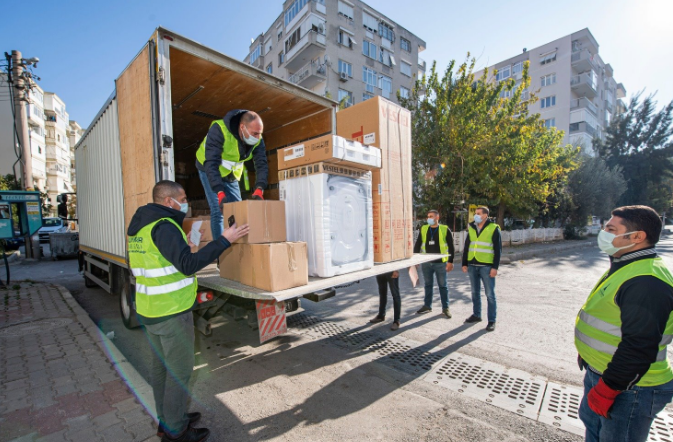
[50,225]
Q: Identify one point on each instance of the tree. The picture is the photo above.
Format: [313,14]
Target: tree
[8,182]
[639,142]
[475,141]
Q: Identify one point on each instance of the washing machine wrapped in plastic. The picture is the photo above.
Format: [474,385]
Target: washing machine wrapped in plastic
[332,213]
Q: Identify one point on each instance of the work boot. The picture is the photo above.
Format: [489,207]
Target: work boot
[376,319]
[472,319]
[490,327]
[446,312]
[189,435]
[395,326]
[423,309]
[193,419]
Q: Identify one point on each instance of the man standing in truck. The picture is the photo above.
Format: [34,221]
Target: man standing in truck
[164,268]
[220,161]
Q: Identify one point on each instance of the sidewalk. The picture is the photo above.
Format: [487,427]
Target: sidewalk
[528,251]
[56,382]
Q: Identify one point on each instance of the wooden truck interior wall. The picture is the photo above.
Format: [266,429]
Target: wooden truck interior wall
[202,91]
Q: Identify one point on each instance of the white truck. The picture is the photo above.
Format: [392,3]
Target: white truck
[161,107]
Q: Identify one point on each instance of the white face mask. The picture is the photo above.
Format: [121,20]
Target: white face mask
[605,242]
[184,207]
[249,139]
[478,219]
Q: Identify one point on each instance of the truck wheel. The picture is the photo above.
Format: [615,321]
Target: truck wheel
[89,283]
[126,305]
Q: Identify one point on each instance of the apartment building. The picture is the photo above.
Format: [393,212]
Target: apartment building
[75,132]
[342,49]
[577,90]
[59,161]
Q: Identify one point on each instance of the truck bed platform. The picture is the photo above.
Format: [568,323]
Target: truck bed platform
[210,278]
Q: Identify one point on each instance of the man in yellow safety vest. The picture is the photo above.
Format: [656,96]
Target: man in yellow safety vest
[164,266]
[481,258]
[623,330]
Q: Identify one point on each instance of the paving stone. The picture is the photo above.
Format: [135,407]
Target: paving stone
[65,389]
[143,430]
[90,387]
[127,405]
[18,404]
[78,423]
[20,383]
[84,435]
[15,394]
[133,416]
[106,420]
[27,438]
[114,433]
[53,437]
[63,380]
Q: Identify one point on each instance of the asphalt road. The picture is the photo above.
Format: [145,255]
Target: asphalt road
[300,388]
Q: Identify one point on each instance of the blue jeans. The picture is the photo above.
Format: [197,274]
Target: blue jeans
[479,274]
[233,193]
[435,268]
[631,415]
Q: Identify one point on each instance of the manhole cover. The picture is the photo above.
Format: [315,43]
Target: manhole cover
[27,328]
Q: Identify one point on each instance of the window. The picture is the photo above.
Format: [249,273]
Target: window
[345,39]
[504,93]
[292,40]
[550,123]
[280,35]
[517,68]
[254,55]
[405,68]
[293,10]
[369,49]
[268,46]
[404,92]
[386,31]
[405,44]
[386,85]
[386,57]
[503,73]
[39,149]
[58,137]
[346,67]
[346,10]
[269,68]
[548,102]
[369,78]
[346,94]
[370,22]
[548,58]
[281,58]
[366,96]
[548,80]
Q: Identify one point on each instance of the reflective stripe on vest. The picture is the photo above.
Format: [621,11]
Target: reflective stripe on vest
[481,250]
[598,325]
[443,245]
[161,289]
[231,161]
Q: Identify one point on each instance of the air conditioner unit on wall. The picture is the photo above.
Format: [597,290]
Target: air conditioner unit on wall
[343,76]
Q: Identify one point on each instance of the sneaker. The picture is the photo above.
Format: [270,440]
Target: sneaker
[193,419]
[446,312]
[189,435]
[490,326]
[423,309]
[395,326]
[376,319]
[472,319]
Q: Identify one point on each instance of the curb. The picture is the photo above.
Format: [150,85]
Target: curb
[547,251]
[136,383]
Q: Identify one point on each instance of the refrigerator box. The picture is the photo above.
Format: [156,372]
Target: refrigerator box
[329,206]
[331,149]
[381,123]
[271,267]
[266,219]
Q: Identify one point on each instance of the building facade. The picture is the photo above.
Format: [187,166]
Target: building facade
[577,91]
[75,133]
[59,155]
[342,49]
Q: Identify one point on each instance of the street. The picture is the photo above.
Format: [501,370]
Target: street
[337,380]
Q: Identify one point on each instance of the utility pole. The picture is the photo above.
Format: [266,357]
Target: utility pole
[21,120]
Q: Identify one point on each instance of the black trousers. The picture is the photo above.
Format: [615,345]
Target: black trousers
[384,281]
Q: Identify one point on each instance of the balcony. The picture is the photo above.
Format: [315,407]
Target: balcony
[583,103]
[421,64]
[584,84]
[583,61]
[582,127]
[310,75]
[307,48]
[258,63]
[621,106]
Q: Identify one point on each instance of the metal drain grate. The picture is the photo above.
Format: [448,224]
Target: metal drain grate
[662,428]
[302,320]
[561,407]
[511,389]
[403,355]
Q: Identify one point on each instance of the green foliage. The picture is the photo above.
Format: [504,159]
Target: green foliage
[639,142]
[471,144]
[8,182]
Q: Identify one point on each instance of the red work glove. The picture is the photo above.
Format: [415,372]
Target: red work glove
[258,194]
[601,398]
[221,197]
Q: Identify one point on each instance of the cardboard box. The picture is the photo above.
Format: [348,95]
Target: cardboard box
[270,267]
[198,229]
[386,125]
[266,219]
[331,149]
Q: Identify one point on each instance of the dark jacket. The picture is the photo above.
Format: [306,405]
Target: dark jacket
[168,239]
[214,143]
[434,248]
[497,246]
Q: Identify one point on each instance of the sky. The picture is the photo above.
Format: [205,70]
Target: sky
[84,45]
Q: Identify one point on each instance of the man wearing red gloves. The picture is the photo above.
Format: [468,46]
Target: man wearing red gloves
[220,159]
[623,329]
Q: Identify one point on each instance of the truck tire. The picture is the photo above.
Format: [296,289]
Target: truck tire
[127,298]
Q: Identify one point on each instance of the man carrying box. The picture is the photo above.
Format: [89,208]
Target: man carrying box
[220,159]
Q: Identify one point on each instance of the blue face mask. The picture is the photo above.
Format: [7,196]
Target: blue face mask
[431,222]
[477,219]
[184,207]
[249,139]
